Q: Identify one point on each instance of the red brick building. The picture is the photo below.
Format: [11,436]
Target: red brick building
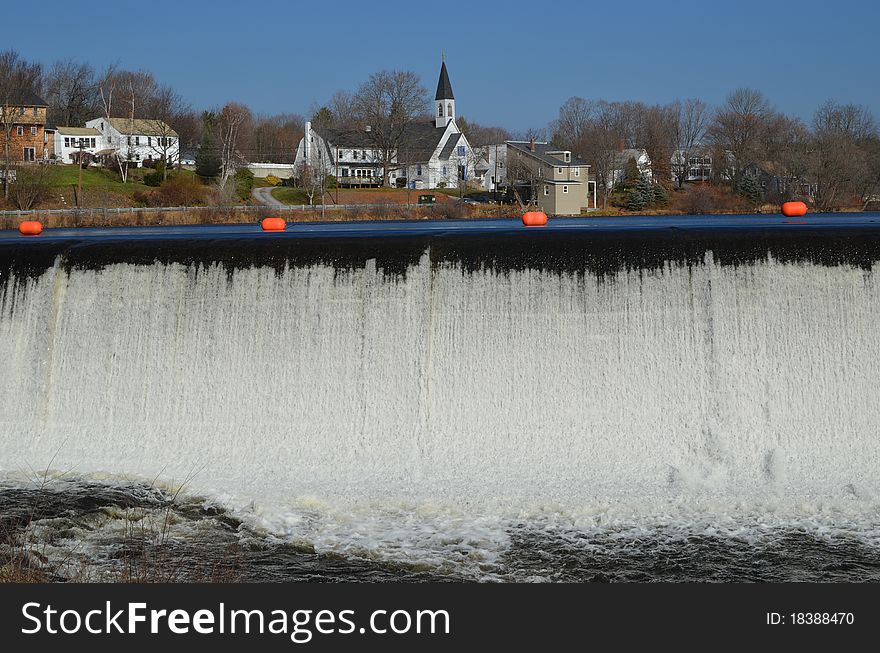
[28,140]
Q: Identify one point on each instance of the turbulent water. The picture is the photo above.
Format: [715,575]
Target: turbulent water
[694,420]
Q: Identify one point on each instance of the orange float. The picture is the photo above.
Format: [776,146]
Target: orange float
[274,224]
[534,219]
[794,209]
[31,228]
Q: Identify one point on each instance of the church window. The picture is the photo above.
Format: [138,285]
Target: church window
[449,109]
[440,109]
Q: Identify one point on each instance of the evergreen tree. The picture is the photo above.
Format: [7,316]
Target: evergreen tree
[208,156]
[631,174]
[640,196]
[661,198]
[749,187]
[635,201]
[644,187]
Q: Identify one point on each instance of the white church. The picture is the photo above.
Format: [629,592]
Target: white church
[434,153]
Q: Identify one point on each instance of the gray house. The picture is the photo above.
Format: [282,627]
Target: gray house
[555,181]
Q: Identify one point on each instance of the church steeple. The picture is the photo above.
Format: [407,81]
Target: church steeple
[444,100]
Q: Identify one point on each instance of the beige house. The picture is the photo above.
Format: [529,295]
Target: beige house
[555,181]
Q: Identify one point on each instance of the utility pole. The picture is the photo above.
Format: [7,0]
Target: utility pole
[81,145]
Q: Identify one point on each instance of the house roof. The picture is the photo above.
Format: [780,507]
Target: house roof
[141,126]
[26,99]
[420,141]
[444,88]
[541,153]
[451,142]
[346,137]
[625,155]
[78,131]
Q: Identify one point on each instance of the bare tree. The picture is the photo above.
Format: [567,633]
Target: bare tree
[71,91]
[844,139]
[388,102]
[234,122]
[739,128]
[18,79]
[479,135]
[31,184]
[601,145]
[119,91]
[573,123]
[275,138]
[691,121]
[167,109]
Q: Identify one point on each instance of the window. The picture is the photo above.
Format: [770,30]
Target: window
[149,140]
[460,150]
[102,125]
[364,155]
[29,154]
[560,170]
[565,189]
[21,111]
[93,142]
[33,131]
[449,110]
[418,170]
[67,142]
[137,140]
[340,154]
[20,130]
[568,156]
[577,172]
[36,113]
[546,190]
[345,172]
[440,110]
[128,140]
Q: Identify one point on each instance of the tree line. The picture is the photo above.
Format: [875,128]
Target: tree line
[837,153]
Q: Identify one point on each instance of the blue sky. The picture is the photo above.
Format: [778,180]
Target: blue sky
[511,64]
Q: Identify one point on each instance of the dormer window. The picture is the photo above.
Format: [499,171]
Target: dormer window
[567,156]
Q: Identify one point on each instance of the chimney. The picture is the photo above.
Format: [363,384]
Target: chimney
[307,143]
[532,144]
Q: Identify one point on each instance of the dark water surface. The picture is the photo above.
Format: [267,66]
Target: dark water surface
[87,531]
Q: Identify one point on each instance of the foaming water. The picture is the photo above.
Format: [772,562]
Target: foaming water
[446,417]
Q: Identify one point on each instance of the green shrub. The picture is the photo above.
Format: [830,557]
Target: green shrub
[244,183]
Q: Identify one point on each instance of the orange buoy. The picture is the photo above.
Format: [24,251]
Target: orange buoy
[31,228]
[534,219]
[794,209]
[274,224]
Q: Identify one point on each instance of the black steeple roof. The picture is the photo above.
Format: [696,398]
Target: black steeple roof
[444,88]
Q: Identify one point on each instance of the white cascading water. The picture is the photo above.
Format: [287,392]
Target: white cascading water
[409,418]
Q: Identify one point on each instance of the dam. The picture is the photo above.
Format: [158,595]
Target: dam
[469,399]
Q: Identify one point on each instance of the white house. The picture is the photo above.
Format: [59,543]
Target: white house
[432,154]
[618,173]
[138,140]
[491,167]
[68,141]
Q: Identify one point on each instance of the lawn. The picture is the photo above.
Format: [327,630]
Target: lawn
[65,176]
[290,195]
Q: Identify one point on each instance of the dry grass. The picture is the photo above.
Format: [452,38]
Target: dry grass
[250,215]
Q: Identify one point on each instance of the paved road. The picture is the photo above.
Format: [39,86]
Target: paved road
[264,196]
